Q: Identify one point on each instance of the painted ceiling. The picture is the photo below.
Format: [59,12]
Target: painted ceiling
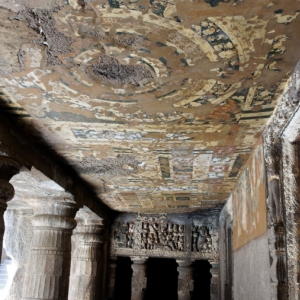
[156,103]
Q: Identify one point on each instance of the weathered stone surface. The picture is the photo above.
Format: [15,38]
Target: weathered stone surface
[252,270]
[217,71]
[87,258]
[48,266]
[8,168]
[18,5]
[184,236]
[226,251]
[110,70]
[139,278]
[112,264]
[11,44]
[17,239]
[215,281]
[185,279]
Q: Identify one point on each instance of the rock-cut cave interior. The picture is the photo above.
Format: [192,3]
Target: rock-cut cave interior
[149,149]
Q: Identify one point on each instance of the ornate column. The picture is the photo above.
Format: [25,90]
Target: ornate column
[112,276]
[86,261]
[48,266]
[8,168]
[214,283]
[139,277]
[185,279]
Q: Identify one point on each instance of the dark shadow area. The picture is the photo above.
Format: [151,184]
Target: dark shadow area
[162,278]
[21,140]
[123,279]
[202,278]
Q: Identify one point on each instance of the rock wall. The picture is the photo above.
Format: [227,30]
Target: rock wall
[252,270]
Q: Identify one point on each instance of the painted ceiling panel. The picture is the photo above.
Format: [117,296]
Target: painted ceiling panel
[157,104]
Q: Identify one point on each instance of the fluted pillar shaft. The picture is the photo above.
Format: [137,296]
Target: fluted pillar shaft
[48,267]
[215,281]
[185,279]
[112,276]
[8,168]
[86,262]
[139,278]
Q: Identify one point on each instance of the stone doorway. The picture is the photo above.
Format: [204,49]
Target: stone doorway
[123,279]
[162,277]
[202,279]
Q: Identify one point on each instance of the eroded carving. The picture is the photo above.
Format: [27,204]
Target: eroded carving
[164,236]
[205,236]
[109,69]
[154,234]
[201,239]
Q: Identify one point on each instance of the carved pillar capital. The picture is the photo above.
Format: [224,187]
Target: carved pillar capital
[89,233]
[185,279]
[139,260]
[184,262]
[56,205]
[139,277]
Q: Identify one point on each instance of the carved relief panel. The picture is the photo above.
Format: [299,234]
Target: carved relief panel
[149,234]
[166,236]
[205,235]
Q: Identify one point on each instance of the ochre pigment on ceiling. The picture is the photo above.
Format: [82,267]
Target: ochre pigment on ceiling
[160,102]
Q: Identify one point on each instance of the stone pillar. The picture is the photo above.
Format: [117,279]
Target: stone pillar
[280,244]
[86,261]
[139,277]
[112,276]
[48,266]
[214,283]
[8,168]
[185,279]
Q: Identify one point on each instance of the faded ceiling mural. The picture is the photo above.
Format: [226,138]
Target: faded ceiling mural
[157,104]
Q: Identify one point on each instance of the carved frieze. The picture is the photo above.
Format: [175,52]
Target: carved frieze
[166,236]
[150,234]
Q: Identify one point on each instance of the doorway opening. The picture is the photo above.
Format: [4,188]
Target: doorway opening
[123,279]
[202,279]
[162,279]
